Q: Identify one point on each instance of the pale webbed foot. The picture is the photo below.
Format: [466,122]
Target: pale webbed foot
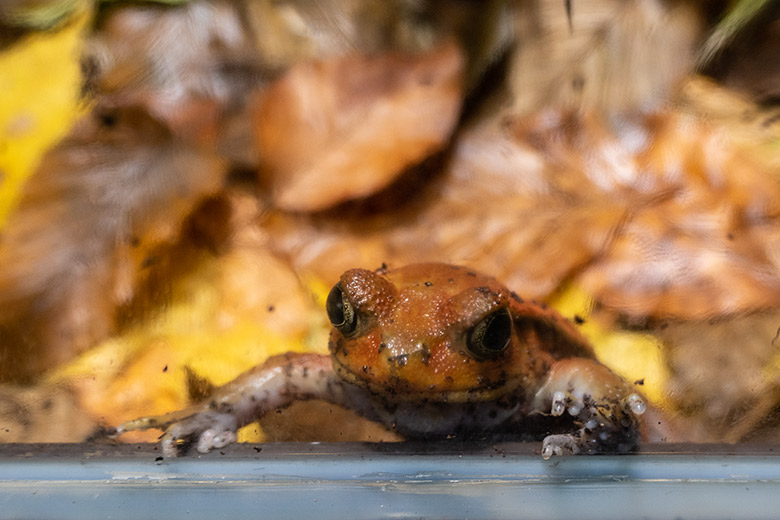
[603,406]
[607,426]
[206,429]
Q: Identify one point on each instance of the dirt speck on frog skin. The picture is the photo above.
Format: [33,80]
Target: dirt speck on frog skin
[431,351]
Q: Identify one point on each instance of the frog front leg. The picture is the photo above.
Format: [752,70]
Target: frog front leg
[606,407]
[213,423]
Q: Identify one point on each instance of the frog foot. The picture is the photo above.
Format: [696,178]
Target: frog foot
[606,427]
[207,429]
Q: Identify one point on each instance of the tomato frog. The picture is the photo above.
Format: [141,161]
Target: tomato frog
[432,351]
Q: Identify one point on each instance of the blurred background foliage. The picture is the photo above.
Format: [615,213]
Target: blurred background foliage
[181,181]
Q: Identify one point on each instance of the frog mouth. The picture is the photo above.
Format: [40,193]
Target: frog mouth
[397,389]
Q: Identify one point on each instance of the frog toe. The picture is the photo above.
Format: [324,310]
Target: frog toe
[214,438]
[560,444]
[565,401]
[558,403]
[634,404]
[207,430]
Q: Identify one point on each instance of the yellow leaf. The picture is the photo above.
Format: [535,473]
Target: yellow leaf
[39,92]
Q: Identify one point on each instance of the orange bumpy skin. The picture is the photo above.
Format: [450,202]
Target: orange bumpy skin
[411,335]
[433,350]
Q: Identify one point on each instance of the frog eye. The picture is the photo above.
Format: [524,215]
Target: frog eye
[340,312]
[491,335]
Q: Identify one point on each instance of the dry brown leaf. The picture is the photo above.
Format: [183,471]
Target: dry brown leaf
[344,128]
[164,57]
[699,247]
[721,375]
[46,413]
[499,208]
[100,202]
[656,215]
[251,281]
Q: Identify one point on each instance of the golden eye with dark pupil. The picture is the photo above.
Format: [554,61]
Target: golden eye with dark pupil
[491,336]
[340,312]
